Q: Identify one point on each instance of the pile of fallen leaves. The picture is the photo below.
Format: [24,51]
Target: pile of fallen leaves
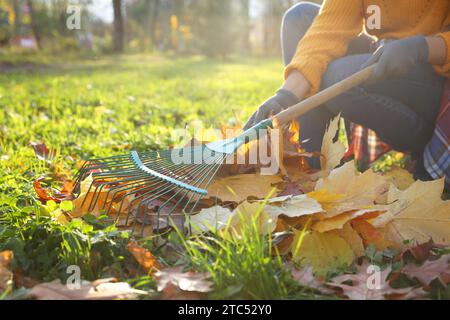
[336,212]
[322,222]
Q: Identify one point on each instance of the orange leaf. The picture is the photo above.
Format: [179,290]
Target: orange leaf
[145,258]
[58,196]
[370,234]
[6,276]
[41,192]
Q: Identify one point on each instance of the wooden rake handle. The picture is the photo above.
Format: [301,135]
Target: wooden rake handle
[320,98]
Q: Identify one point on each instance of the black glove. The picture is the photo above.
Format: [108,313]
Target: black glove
[396,58]
[282,100]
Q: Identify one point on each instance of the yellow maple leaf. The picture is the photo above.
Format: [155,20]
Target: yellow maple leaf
[400,177]
[338,222]
[247,213]
[353,239]
[332,152]
[293,206]
[209,219]
[238,188]
[418,214]
[323,251]
[355,191]
[84,204]
[327,199]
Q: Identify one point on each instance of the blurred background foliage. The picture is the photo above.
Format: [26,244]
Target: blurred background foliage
[214,28]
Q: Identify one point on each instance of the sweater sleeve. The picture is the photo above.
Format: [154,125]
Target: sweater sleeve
[336,25]
[445,68]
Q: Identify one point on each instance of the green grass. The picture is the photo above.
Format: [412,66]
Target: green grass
[104,107]
[241,264]
[94,108]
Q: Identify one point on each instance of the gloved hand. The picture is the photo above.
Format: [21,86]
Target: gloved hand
[396,58]
[282,100]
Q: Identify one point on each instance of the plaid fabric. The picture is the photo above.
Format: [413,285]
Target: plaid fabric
[365,146]
[437,152]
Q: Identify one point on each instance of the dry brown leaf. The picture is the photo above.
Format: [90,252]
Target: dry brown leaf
[103,289]
[370,234]
[83,204]
[42,152]
[305,277]
[291,189]
[332,152]
[420,252]
[144,257]
[239,188]
[6,276]
[57,196]
[282,241]
[352,190]
[430,270]
[303,180]
[360,290]
[417,214]
[185,281]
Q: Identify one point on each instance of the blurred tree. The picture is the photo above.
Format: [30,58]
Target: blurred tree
[246,27]
[214,27]
[119,33]
[18,16]
[273,13]
[152,11]
[34,25]
[211,27]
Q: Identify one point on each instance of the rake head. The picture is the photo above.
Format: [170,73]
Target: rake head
[154,185]
[146,184]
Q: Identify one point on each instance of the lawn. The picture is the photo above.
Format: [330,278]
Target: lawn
[105,107]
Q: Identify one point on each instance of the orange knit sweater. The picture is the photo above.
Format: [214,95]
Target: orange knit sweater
[339,21]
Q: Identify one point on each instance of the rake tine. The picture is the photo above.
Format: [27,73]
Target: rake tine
[135,181]
[200,169]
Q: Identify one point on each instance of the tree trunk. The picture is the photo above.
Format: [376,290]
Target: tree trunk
[18,19]
[119,34]
[34,26]
[154,19]
[246,45]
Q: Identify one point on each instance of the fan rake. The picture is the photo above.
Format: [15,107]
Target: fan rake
[170,182]
[150,185]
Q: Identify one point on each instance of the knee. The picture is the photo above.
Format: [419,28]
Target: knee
[342,68]
[301,12]
[337,71]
